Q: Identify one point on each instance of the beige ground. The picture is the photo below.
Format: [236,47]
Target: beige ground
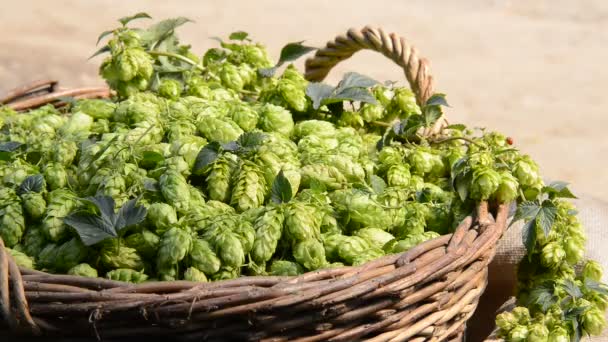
[534,69]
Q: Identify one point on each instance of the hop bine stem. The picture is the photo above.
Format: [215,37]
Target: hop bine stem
[176,56]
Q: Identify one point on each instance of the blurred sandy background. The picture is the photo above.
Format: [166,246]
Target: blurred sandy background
[533,69]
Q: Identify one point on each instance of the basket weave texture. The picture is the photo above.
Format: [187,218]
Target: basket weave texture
[424,294]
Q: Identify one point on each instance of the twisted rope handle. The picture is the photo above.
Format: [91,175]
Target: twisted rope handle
[391,45]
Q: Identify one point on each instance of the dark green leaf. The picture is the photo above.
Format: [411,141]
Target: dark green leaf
[457,127]
[597,287]
[528,235]
[103,35]
[526,211]
[459,167]
[151,184]
[431,114]
[293,51]
[281,189]
[130,214]
[437,100]
[377,183]
[152,157]
[213,55]
[238,35]
[161,30]
[577,330]
[355,80]
[546,216]
[91,228]
[462,184]
[10,146]
[267,72]
[231,146]
[543,296]
[206,156]
[572,289]
[105,206]
[558,189]
[352,94]
[251,139]
[317,92]
[103,49]
[317,186]
[125,20]
[33,183]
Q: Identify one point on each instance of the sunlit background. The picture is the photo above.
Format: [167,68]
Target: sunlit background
[535,70]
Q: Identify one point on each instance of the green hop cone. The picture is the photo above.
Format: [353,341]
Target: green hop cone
[83,270]
[95,108]
[22,259]
[405,100]
[175,244]
[310,254]
[485,183]
[327,175]
[574,248]
[229,249]
[319,128]
[275,119]
[593,321]
[227,273]
[161,216]
[351,247]
[231,78]
[34,205]
[507,189]
[558,334]
[203,258]
[522,315]
[371,112]
[526,172]
[12,224]
[175,190]
[249,187]
[62,257]
[351,119]
[390,156]
[268,228]
[293,94]
[368,255]
[244,116]
[64,152]
[221,130]
[374,236]
[332,243]
[170,88]
[537,332]
[55,175]
[127,275]
[115,254]
[145,243]
[246,234]
[398,175]
[285,268]
[552,255]
[193,274]
[219,178]
[422,162]
[302,222]
[518,334]
[592,270]
[506,321]
[33,240]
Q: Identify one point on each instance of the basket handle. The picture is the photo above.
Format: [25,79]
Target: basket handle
[391,45]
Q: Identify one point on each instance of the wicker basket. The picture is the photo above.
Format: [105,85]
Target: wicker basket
[424,294]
